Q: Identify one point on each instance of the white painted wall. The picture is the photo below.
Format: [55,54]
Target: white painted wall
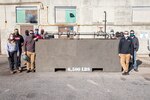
[89,12]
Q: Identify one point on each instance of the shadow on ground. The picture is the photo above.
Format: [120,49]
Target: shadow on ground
[139,62]
[4,68]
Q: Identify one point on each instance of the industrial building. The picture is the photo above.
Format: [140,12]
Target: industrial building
[77,15]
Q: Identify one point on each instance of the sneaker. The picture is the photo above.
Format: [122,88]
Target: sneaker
[18,71]
[12,72]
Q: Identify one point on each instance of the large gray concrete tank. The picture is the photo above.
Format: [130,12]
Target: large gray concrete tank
[77,55]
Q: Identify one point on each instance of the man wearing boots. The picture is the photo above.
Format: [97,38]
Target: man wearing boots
[29,48]
[125,51]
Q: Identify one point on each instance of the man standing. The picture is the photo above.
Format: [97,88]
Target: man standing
[125,51]
[37,35]
[135,43]
[12,52]
[19,39]
[29,48]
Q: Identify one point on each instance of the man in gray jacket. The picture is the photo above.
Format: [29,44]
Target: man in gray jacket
[135,43]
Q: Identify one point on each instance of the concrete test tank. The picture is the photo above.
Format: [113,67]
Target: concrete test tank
[77,55]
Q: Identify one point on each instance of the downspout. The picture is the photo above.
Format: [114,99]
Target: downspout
[47,15]
[5,15]
[39,17]
[105,21]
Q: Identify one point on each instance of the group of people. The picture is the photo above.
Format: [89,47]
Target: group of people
[19,45]
[128,47]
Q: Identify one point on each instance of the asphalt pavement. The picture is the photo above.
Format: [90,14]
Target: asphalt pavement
[74,85]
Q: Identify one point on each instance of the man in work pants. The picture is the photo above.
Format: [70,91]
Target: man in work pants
[29,47]
[31,63]
[125,50]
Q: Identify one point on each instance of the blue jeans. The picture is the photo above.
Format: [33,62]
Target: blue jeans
[13,62]
[134,60]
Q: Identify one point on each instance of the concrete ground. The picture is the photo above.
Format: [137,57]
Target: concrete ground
[75,86]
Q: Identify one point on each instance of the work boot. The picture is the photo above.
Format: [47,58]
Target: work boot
[125,73]
[28,71]
[33,70]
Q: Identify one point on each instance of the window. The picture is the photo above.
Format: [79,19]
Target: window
[26,14]
[141,14]
[65,14]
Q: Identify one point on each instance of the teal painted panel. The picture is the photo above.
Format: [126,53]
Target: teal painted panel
[21,16]
[71,16]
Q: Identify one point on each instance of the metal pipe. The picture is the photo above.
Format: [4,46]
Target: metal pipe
[47,15]
[39,17]
[148,46]
[105,21]
[5,16]
[21,3]
[81,33]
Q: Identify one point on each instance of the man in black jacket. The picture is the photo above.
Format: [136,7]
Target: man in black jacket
[135,43]
[20,41]
[125,51]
